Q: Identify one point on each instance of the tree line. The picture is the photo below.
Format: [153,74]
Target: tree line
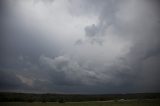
[61,98]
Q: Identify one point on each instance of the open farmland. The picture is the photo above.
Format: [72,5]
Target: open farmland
[102,103]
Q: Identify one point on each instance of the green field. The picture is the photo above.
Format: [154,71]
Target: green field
[107,103]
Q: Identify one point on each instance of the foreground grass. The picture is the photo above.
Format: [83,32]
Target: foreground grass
[109,103]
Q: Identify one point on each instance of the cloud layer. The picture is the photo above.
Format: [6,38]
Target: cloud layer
[82,46]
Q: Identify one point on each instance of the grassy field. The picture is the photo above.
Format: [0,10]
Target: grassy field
[111,103]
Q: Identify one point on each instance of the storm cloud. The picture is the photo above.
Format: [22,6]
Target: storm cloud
[80,46]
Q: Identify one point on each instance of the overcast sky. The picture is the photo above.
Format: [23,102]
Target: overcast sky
[80,46]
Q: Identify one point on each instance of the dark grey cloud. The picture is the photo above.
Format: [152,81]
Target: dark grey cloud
[20,49]
[39,51]
[9,81]
[6,80]
[94,33]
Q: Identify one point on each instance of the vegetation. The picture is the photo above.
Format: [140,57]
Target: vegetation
[62,98]
[102,103]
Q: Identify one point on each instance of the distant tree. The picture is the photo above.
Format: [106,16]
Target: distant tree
[30,100]
[61,100]
[44,100]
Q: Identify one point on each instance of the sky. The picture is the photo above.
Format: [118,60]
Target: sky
[80,46]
